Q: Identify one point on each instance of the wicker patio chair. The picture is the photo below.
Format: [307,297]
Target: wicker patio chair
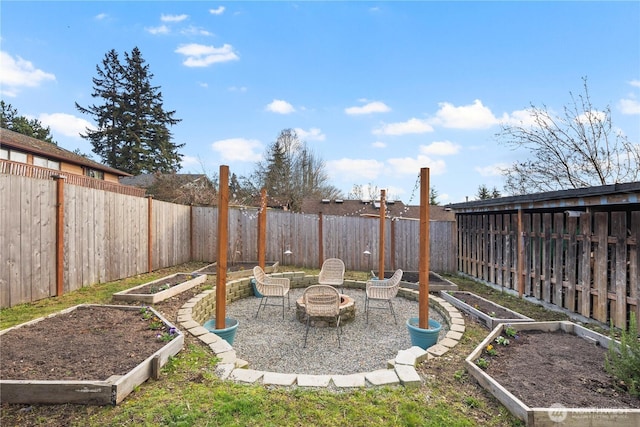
[322,301]
[270,287]
[332,273]
[382,290]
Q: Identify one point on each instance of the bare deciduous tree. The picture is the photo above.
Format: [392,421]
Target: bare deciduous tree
[580,148]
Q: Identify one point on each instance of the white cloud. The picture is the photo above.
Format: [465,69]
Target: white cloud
[199,55]
[187,162]
[17,73]
[241,89]
[203,84]
[238,149]
[66,124]
[635,83]
[355,170]
[313,134]
[173,18]
[412,125]
[591,116]
[379,144]
[162,29]
[629,106]
[217,11]
[491,170]
[371,107]
[101,16]
[440,148]
[474,116]
[279,106]
[523,118]
[195,31]
[412,166]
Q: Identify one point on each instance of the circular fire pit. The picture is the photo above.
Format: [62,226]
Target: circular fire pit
[347,312]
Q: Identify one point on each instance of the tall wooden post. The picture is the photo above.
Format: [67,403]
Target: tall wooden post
[392,245]
[59,235]
[423,264]
[223,239]
[262,229]
[191,239]
[149,234]
[381,248]
[320,241]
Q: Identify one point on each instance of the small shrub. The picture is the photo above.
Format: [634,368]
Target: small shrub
[502,340]
[623,359]
[510,331]
[482,363]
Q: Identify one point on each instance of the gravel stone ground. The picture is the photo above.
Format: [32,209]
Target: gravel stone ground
[272,344]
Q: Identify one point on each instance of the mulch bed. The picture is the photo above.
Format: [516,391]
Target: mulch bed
[160,285]
[487,307]
[105,343]
[89,343]
[546,368]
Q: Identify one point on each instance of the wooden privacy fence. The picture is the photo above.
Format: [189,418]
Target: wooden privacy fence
[56,237]
[588,264]
[344,237]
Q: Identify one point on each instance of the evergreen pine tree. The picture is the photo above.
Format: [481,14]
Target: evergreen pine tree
[132,126]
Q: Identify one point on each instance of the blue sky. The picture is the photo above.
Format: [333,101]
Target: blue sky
[377,90]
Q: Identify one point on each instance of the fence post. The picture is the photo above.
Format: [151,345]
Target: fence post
[381,244]
[262,229]
[149,234]
[59,234]
[320,241]
[423,273]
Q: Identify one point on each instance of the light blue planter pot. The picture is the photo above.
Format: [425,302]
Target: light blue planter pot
[423,338]
[228,334]
[255,289]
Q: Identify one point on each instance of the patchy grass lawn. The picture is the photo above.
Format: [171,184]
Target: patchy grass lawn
[190,394]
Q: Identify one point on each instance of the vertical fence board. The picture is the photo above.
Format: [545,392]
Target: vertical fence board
[571,264]
[47,236]
[546,257]
[558,270]
[634,264]
[619,276]
[6,212]
[600,284]
[585,264]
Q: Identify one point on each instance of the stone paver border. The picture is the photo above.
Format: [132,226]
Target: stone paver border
[401,370]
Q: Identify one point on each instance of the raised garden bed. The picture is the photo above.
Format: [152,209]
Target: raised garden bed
[410,280]
[487,312]
[552,373]
[87,354]
[161,289]
[239,270]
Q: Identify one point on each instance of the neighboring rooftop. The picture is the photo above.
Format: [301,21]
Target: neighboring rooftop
[394,209]
[46,149]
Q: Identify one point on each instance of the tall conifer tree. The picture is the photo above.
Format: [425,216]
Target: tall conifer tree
[132,126]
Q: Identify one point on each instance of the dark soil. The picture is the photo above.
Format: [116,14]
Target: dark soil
[546,368]
[412,277]
[487,307]
[94,348]
[89,343]
[161,285]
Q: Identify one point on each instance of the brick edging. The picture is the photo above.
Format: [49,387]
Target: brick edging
[400,371]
